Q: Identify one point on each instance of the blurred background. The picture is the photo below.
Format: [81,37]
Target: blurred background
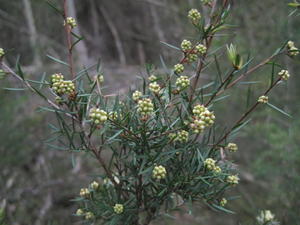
[38,183]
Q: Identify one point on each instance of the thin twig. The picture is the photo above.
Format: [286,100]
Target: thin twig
[246,113]
[69,40]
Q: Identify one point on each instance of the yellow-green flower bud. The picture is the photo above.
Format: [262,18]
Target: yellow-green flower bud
[194,15]
[223,202]
[145,107]
[152,78]
[292,50]
[201,48]
[192,57]
[100,79]
[89,216]
[265,217]
[172,136]
[159,172]
[284,74]
[97,115]
[197,126]
[210,163]
[71,22]
[84,192]
[136,95]
[186,45]
[233,179]
[217,169]
[182,136]
[198,110]
[2,52]
[63,87]
[208,117]
[232,147]
[182,82]
[57,77]
[95,185]
[79,212]
[154,87]
[178,68]
[118,208]
[263,99]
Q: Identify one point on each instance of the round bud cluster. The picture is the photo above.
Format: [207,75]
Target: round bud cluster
[89,215]
[152,78]
[57,77]
[198,126]
[99,78]
[292,50]
[154,87]
[136,95]
[63,87]
[145,107]
[95,185]
[172,136]
[217,169]
[233,179]
[79,212]
[284,74]
[223,202]
[2,53]
[97,115]
[198,110]
[201,48]
[84,192]
[265,217]
[263,99]
[182,136]
[182,82]
[178,68]
[71,22]
[203,114]
[232,147]
[194,15]
[192,57]
[159,172]
[208,117]
[210,163]
[118,208]
[186,45]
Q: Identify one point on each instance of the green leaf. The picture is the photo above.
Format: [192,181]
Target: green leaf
[171,46]
[222,209]
[279,110]
[294,4]
[58,60]
[15,89]
[60,12]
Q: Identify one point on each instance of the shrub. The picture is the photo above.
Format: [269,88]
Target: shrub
[164,142]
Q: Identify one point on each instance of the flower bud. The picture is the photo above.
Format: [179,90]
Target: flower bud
[159,172]
[71,22]
[2,52]
[178,68]
[263,99]
[194,15]
[118,208]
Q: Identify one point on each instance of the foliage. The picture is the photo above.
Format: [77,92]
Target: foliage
[164,145]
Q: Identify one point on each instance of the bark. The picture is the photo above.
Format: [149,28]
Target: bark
[33,36]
